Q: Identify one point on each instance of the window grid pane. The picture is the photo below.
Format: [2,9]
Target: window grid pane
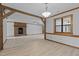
[67,24]
[58,21]
[58,28]
[66,28]
[63,24]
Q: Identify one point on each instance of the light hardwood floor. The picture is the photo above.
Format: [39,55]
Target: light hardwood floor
[36,47]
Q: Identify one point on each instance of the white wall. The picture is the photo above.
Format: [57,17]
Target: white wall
[10,29]
[8,24]
[65,39]
[50,25]
[34,29]
[18,17]
[50,21]
[76,24]
[30,29]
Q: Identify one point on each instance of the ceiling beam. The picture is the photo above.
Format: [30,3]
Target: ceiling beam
[19,11]
[1,28]
[64,12]
[42,20]
[8,14]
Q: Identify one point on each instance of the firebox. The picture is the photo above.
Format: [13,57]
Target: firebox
[19,29]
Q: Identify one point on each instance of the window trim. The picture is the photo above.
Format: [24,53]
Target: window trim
[64,33]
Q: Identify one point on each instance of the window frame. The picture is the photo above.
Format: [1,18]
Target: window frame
[64,33]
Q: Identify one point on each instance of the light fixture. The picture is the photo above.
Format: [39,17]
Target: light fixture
[46,13]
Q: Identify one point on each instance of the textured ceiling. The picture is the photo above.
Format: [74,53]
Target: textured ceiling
[38,8]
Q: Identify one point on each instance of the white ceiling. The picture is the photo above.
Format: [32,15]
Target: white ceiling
[39,8]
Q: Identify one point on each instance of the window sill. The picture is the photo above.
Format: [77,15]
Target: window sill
[63,33]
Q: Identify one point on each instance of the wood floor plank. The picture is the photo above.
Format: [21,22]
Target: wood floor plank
[37,47]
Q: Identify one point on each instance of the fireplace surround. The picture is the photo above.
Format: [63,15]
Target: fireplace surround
[19,29]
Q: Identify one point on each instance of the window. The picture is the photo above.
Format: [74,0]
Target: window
[58,25]
[67,24]
[63,24]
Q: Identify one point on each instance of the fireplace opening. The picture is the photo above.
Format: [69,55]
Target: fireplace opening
[20,30]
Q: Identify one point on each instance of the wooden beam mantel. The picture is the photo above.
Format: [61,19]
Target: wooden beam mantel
[22,12]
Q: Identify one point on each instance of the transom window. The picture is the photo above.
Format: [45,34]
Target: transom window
[63,24]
